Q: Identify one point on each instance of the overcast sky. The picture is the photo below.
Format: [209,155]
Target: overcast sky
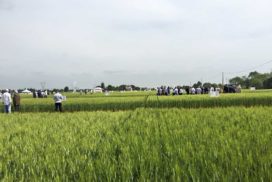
[141,42]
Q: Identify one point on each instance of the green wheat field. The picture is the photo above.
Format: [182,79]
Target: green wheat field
[139,137]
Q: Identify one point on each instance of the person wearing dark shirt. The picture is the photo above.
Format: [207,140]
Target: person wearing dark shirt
[16,101]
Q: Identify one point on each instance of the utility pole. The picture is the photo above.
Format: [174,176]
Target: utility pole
[74,86]
[223,78]
[43,84]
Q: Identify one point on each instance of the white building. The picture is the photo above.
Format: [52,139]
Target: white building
[97,90]
[26,91]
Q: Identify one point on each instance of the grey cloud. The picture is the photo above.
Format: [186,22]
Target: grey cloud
[120,41]
[260,33]
[3,60]
[146,26]
[114,72]
[37,73]
[6,5]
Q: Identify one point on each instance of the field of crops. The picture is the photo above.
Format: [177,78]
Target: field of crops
[220,144]
[139,136]
[132,100]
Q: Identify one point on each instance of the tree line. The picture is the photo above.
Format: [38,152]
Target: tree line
[254,79]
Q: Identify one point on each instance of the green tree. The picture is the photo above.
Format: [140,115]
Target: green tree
[268,83]
[110,88]
[198,84]
[257,79]
[254,79]
[253,75]
[237,80]
[135,87]
[214,85]
[66,89]
[102,85]
[207,85]
[122,87]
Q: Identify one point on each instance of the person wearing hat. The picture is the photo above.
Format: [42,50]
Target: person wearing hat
[6,98]
[16,101]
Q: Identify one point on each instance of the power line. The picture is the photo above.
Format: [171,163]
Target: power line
[218,75]
[246,70]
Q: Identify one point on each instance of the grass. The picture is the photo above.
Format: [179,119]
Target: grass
[134,100]
[215,144]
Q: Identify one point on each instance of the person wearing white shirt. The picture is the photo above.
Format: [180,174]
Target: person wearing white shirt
[6,98]
[58,98]
[193,90]
[198,90]
[176,91]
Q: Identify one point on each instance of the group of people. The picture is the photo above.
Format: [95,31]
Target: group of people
[8,99]
[163,90]
[14,98]
[40,94]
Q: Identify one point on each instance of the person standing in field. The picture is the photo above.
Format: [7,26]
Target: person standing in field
[16,101]
[6,98]
[58,98]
